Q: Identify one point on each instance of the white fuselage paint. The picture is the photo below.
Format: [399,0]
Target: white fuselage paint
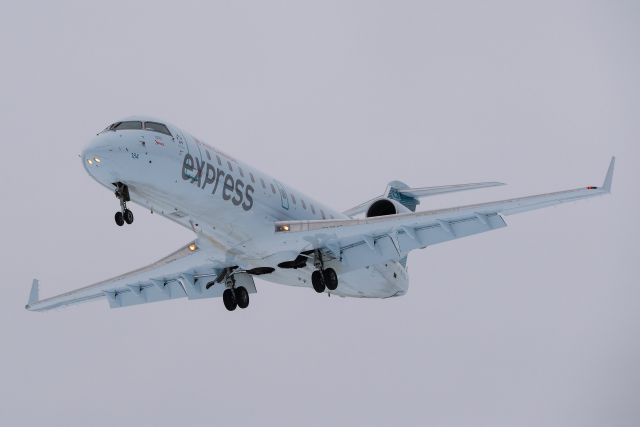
[236,220]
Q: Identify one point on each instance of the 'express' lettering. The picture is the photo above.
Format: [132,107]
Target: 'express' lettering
[203,173]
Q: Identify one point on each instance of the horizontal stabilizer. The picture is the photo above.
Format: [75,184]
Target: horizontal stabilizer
[433,191]
[409,196]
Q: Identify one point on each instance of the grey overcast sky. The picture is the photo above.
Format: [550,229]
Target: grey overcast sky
[536,324]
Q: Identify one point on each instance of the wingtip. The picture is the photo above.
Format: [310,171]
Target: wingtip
[34,294]
[608,180]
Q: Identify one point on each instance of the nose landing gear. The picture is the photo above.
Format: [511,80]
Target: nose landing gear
[124,215]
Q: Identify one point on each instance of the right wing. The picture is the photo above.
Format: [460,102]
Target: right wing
[183,273]
[368,241]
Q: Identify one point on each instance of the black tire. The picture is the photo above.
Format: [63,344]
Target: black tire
[242,297]
[330,278]
[229,299]
[119,219]
[128,216]
[317,281]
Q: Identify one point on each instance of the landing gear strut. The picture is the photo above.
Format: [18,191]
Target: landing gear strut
[124,215]
[323,278]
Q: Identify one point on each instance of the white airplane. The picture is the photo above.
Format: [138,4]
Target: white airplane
[249,224]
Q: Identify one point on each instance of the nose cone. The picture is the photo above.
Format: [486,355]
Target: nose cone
[98,157]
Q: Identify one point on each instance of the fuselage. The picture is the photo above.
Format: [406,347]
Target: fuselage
[223,200]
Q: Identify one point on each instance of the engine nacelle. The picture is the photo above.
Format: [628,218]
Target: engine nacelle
[385,206]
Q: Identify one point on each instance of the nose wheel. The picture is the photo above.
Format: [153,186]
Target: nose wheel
[124,215]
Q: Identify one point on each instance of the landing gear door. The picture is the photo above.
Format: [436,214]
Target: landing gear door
[283,196]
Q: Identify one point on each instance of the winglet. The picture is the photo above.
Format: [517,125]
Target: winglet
[606,186]
[34,294]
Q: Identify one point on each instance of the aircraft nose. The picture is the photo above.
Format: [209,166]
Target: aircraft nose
[99,157]
[97,150]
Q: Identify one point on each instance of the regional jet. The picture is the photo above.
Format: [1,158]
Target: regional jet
[248,224]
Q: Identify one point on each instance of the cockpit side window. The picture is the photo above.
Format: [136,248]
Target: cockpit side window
[157,127]
[126,125]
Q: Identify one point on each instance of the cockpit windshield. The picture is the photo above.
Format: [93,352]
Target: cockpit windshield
[157,127]
[138,125]
[126,125]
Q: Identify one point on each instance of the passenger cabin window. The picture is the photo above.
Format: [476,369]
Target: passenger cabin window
[273,189]
[304,205]
[157,127]
[313,209]
[241,171]
[323,215]
[230,167]
[293,198]
[252,178]
[126,125]
[219,161]
[262,182]
[208,155]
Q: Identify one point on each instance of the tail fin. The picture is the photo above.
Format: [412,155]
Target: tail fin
[34,294]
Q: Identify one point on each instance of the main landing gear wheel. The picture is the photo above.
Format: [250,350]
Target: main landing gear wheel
[235,297]
[323,278]
[128,216]
[242,296]
[229,299]
[119,219]
[317,281]
[330,278]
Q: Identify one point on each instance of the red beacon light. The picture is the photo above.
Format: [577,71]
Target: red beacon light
[591,187]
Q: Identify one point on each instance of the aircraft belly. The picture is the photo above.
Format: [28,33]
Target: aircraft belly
[376,281]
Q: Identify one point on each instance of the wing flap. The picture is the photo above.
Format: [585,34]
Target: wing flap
[397,244]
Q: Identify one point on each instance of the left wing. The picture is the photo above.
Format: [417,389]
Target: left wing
[183,273]
[368,241]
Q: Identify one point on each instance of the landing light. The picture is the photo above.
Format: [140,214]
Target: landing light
[97,159]
[90,161]
[283,228]
[193,247]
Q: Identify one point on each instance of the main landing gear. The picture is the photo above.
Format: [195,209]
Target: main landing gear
[124,215]
[234,296]
[323,278]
